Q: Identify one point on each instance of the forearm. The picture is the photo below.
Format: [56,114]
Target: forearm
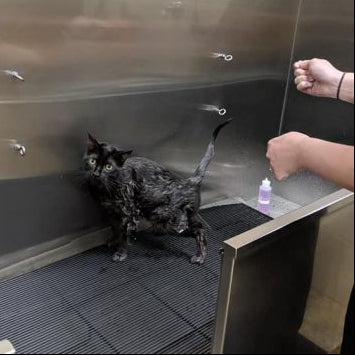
[332,161]
[347,88]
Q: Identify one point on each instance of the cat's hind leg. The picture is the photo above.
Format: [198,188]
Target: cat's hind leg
[199,232]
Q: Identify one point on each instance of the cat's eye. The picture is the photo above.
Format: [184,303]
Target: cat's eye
[109,167]
[92,162]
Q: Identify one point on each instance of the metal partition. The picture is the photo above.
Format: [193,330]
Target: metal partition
[285,285]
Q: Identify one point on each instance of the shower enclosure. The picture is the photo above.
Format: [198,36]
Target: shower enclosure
[157,76]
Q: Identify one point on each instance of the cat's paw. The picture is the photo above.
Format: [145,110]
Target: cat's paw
[198,259]
[119,257]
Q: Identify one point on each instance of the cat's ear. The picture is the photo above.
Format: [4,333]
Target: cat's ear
[93,142]
[121,156]
[126,154]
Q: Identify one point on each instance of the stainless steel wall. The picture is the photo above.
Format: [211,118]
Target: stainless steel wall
[137,73]
[92,47]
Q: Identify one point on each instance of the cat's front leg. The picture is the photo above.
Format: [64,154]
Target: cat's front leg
[121,254]
[128,227]
[120,239]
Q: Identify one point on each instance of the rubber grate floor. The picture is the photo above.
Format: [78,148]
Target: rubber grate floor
[155,302]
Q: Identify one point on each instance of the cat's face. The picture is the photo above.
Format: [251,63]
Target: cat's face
[103,162]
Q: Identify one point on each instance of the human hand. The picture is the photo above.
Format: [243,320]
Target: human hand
[317,77]
[287,154]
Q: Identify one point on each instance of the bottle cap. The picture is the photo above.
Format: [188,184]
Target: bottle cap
[266,183]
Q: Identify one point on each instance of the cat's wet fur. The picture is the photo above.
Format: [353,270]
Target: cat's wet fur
[134,188]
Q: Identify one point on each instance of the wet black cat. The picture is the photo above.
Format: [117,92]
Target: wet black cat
[132,188]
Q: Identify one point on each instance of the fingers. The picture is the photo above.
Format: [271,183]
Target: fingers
[304,86]
[303,78]
[278,174]
[304,73]
[269,156]
[278,166]
[300,72]
[302,64]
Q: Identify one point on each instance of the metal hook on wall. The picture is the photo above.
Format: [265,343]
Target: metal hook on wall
[226,57]
[16,146]
[14,74]
[21,149]
[212,108]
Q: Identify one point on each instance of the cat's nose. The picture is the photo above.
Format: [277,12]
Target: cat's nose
[96,173]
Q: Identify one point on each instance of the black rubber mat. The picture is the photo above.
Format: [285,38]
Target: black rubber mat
[155,302]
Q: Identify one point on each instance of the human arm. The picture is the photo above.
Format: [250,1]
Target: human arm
[295,151]
[318,77]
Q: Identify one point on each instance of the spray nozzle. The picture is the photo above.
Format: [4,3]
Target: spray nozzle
[266,182]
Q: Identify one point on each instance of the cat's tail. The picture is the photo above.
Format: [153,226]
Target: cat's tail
[206,160]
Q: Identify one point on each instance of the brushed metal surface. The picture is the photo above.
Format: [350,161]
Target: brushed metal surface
[265,304]
[86,48]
